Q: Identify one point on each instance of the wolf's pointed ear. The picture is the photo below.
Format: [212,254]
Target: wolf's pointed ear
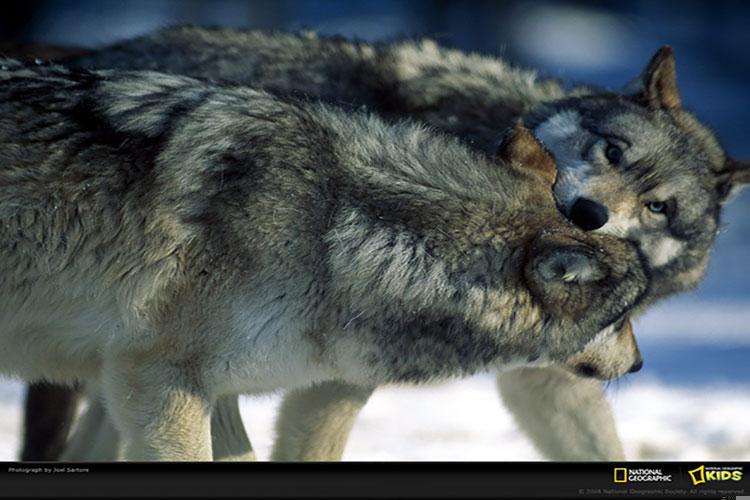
[520,148]
[734,176]
[569,264]
[657,85]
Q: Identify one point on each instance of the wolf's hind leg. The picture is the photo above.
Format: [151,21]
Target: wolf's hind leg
[314,423]
[49,412]
[567,417]
[94,438]
[230,441]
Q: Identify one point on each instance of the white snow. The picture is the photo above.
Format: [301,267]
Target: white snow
[464,420]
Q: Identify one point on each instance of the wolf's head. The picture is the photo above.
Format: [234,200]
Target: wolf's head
[566,268]
[570,271]
[636,165]
[611,354]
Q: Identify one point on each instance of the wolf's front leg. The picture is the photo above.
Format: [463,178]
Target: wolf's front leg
[314,423]
[567,417]
[160,411]
[95,438]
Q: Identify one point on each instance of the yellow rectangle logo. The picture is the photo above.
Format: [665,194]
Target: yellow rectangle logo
[621,475]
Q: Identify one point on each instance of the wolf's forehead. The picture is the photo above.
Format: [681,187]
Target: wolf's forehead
[636,127]
[643,134]
[656,132]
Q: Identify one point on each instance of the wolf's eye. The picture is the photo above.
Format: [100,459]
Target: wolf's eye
[613,154]
[657,207]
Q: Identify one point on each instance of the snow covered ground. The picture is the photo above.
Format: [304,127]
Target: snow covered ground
[464,420]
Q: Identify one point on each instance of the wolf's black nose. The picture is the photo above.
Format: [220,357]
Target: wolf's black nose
[588,214]
[636,366]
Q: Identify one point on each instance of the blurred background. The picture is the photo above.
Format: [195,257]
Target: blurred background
[691,401]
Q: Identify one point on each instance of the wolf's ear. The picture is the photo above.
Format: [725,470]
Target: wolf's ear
[569,264]
[520,148]
[657,85]
[734,176]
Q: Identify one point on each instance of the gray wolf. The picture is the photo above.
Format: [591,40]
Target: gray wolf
[632,163]
[179,241]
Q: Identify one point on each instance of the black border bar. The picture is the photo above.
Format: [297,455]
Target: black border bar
[361,480]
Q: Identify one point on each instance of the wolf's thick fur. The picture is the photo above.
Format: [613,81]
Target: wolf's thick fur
[181,241]
[314,423]
[667,154]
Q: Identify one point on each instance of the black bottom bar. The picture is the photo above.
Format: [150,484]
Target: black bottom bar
[376,480]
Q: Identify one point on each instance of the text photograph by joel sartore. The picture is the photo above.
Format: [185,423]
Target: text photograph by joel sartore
[378,231]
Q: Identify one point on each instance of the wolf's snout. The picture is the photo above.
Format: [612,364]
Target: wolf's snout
[569,264]
[588,214]
[612,354]
[636,366]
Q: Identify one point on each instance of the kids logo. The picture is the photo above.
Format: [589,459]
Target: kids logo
[705,474]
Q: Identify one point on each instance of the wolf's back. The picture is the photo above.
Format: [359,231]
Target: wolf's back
[331,69]
[471,96]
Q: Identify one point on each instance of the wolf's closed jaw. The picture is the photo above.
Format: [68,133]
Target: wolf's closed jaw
[611,354]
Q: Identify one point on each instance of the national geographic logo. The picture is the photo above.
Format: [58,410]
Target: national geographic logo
[705,474]
[625,475]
